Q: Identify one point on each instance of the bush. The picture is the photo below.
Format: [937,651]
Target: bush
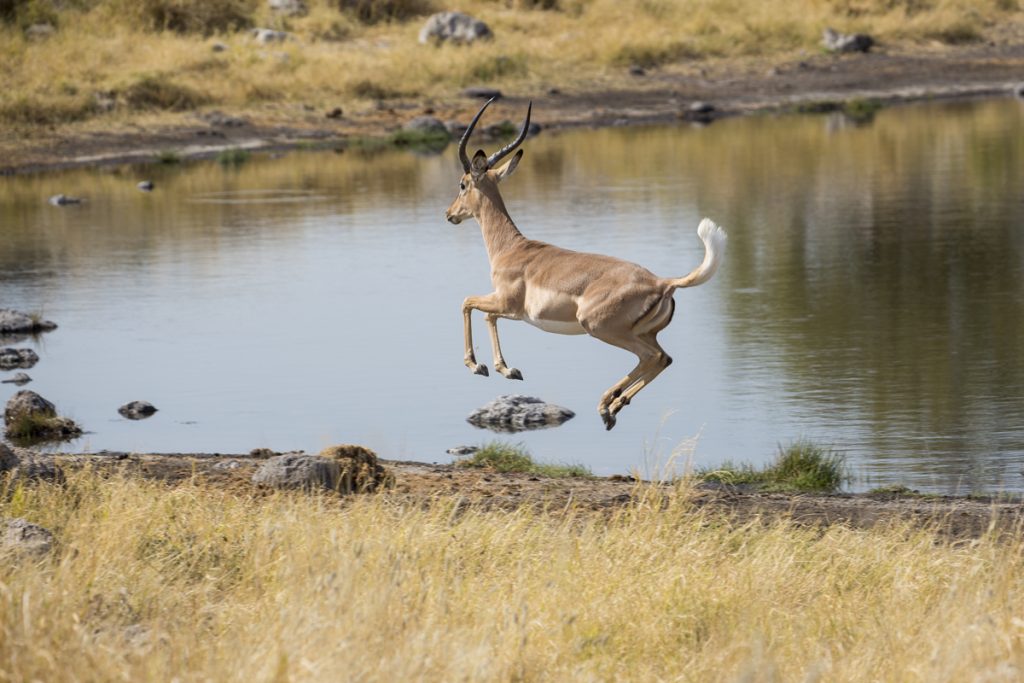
[375,11]
[158,92]
[802,466]
[189,16]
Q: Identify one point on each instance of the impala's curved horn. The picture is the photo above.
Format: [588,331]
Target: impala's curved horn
[469,131]
[510,147]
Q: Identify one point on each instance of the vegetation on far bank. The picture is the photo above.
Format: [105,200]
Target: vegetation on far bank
[119,59]
[150,582]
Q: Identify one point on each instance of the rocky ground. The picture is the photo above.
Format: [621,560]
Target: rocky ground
[731,87]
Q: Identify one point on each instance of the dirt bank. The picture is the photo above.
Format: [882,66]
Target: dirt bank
[735,86]
[956,518]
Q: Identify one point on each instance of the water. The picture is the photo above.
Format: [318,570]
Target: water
[871,299]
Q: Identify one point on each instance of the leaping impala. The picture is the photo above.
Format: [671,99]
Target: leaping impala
[565,291]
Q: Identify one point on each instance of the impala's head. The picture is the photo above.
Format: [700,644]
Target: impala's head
[481,174]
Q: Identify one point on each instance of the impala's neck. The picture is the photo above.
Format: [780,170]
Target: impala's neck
[499,232]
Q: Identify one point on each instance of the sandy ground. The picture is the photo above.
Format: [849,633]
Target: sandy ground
[732,87]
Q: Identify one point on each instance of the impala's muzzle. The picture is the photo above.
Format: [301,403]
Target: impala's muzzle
[454,219]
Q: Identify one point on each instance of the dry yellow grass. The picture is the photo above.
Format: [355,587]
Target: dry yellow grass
[335,59]
[189,583]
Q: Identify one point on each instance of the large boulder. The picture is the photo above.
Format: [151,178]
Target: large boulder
[17,358]
[16,322]
[517,413]
[22,538]
[29,416]
[454,27]
[345,469]
[27,465]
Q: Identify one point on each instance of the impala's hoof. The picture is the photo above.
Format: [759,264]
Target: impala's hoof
[480,369]
[609,420]
[513,373]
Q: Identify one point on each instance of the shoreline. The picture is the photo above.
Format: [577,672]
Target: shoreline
[735,87]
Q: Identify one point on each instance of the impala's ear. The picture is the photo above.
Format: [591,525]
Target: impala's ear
[479,164]
[509,167]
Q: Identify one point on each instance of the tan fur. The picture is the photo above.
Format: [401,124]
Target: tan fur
[570,292]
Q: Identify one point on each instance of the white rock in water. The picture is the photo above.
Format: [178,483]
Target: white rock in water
[517,413]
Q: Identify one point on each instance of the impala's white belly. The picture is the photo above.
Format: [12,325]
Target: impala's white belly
[551,311]
[557,326]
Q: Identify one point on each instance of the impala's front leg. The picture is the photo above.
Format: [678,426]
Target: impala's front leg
[467,326]
[499,360]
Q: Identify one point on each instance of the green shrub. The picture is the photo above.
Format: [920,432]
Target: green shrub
[189,16]
[503,457]
[801,466]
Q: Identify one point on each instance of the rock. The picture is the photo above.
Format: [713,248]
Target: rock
[345,469]
[15,322]
[11,359]
[23,538]
[427,125]
[8,460]
[288,8]
[462,451]
[334,113]
[27,465]
[841,42]
[137,410]
[19,379]
[637,71]
[262,453]
[146,186]
[455,27]
[266,36]
[482,93]
[1018,90]
[63,200]
[517,413]
[40,31]
[219,47]
[227,465]
[701,112]
[219,118]
[30,416]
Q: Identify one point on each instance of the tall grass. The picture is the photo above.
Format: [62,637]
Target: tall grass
[151,583]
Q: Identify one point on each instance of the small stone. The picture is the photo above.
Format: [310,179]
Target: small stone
[146,186]
[334,113]
[427,125]
[137,410]
[700,112]
[462,451]
[482,93]
[40,31]
[23,538]
[266,36]
[19,379]
[219,118]
[637,71]
[1019,90]
[554,91]
[11,359]
[227,465]
[219,47]
[841,42]
[63,200]
[288,8]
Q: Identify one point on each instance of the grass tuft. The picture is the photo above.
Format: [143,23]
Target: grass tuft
[377,11]
[159,92]
[233,156]
[802,466]
[504,457]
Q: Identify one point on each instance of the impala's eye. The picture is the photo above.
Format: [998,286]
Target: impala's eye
[462,186]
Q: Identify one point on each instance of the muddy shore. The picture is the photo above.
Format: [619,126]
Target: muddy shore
[731,87]
[952,517]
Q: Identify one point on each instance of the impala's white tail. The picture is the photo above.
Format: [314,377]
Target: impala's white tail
[714,239]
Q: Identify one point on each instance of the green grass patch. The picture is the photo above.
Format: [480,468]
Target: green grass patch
[168,157]
[233,156]
[504,457]
[801,466]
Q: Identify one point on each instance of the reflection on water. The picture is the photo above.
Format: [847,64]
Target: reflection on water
[871,298]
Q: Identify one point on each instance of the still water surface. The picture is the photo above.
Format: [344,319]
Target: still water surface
[872,298]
